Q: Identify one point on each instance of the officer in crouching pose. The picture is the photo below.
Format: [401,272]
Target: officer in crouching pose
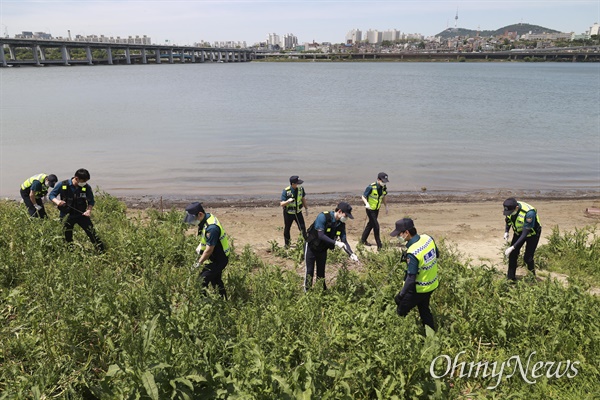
[75,205]
[322,236]
[33,191]
[214,246]
[421,273]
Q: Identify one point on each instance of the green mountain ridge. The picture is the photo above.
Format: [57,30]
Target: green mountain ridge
[520,29]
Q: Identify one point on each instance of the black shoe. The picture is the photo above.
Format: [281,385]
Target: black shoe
[365,243]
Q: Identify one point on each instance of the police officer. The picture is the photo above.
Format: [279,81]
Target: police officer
[421,277]
[525,222]
[323,235]
[76,203]
[373,197]
[293,198]
[33,190]
[214,246]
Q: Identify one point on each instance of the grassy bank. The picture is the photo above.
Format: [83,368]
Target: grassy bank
[133,322]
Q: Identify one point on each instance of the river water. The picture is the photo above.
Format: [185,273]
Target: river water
[242,129]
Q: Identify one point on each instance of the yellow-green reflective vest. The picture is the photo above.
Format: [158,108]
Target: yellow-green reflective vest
[38,177]
[295,206]
[374,198]
[519,222]
[212,220]
[424,251]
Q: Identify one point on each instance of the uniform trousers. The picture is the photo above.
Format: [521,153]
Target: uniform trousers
[530,245]
[30,206]
[420,300]
[86,224]
[212,274]
[288,220]
[312,257]
[372,224]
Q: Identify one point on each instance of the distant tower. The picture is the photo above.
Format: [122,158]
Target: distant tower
[456,19]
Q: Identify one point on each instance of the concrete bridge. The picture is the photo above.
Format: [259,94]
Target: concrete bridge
[574,54]
[58,52]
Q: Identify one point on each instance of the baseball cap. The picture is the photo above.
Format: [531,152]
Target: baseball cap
[383,177]
[52,179]
[509,205]
[345,208]
[296,179]
[192,211]
[402,225]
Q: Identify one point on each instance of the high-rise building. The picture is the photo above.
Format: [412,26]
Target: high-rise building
[354,36]
[289,41]
[273,40]
[391,34]
[374,36]
[595,29]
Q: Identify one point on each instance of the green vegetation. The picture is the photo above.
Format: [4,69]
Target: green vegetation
[573,253]
[133,323]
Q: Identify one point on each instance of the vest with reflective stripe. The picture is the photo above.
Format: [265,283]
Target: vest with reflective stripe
[295,206]
[212,220]
[519,222]
[76,200]
[374,198]
[39,177]
[424,251]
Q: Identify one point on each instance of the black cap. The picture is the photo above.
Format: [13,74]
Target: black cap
[296,179]
[383,177]
[509,205]
[346,209]
[192,212]
[402,225]
[52,179]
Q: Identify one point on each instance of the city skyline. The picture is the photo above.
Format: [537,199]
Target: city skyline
[189,21]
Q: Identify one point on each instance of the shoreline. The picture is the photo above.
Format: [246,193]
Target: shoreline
[332,198]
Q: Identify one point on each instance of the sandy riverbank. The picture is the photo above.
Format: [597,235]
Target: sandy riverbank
[472,222]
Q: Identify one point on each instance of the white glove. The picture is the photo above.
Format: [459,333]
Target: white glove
[339,244]
[199,248]
[37,207]
[196,265]
[290,200]
[508,251]
[367,206]
[506,236]
[353,257]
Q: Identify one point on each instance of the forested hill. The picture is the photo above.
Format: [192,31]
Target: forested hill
[519,28]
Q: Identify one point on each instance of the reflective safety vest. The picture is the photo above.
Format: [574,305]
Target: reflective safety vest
[76,200]
[374,198]
[312,235]
[39,177]
[212,220]
[425,253]
[518,222]
[295,206]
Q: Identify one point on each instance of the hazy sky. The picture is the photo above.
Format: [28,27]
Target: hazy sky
[189,21]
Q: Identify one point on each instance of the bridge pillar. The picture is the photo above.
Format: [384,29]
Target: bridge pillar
[42,53]
[171,56]
[11,52]
[157,54]
[182,56]
[109,55]
[35,52]
[2,56]
[127,56]
[144,58]
[201,56]
[227,56]
[193,56]
[65,54]
[88,52]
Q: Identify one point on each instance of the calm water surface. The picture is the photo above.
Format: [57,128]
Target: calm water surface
[243,129]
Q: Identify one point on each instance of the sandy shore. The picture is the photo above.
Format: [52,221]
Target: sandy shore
[473,223]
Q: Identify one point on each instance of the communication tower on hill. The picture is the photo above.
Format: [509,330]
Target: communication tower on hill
[456,20]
